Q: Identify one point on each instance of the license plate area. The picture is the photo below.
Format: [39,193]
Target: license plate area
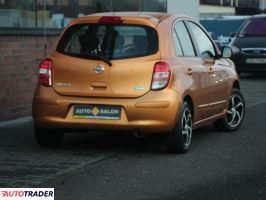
[256,60]
[100,112]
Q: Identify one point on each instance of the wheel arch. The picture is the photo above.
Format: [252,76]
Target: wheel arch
[236,84]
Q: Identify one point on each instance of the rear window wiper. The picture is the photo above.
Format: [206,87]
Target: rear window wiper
[98,57]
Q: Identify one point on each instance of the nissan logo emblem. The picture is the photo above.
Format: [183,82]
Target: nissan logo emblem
[99,69]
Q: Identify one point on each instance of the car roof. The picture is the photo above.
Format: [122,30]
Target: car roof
[158,15]
[259,16]
[154,17]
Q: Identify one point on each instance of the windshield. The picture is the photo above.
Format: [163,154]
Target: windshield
[254,27]
[109,41]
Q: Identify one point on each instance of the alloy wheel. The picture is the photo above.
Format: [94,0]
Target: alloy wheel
[235,111]
[186,127]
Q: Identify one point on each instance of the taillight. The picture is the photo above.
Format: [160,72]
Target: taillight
[161,76]
[45,72]
[110,20]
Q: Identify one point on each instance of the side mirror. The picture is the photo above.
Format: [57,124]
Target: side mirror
[226,52]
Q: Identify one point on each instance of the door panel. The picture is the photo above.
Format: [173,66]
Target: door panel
[198,80]
[219,86]
[215,69]
[196,73]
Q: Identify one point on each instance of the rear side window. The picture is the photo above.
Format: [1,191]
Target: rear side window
[177,45]
[254,27]
[110,41]
[184,39]
[205,45]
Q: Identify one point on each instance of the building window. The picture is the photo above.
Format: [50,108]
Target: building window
[155,6]
[59,13]
[129,5]
[55,13]
[17,13]
[235,3]
[85,7]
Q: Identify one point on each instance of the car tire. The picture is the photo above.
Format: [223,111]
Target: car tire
[48,137]
[235,113]
[179,140]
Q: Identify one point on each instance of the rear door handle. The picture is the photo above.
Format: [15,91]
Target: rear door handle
[189,71]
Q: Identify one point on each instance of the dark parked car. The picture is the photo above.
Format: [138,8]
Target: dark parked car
[249,45]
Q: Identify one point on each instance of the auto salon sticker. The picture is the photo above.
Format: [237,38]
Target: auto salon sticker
[97,112]
[26,193]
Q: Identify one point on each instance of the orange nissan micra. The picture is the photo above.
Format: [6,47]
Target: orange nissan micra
[140,72]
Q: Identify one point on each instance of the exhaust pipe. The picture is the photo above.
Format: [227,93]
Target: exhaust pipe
[138,134]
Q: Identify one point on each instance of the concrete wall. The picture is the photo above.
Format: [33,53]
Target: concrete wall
[187,7]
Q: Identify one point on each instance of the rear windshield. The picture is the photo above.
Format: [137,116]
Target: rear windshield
[109,41]
[254,27]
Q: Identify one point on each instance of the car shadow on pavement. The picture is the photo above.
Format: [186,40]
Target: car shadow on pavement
[125,142]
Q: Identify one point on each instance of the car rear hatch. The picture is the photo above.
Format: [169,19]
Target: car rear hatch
[106,57]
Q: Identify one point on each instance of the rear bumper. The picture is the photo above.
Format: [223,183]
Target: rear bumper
[154,112]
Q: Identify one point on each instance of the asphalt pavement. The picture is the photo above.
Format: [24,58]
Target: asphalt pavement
[219,166]
[103,165]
